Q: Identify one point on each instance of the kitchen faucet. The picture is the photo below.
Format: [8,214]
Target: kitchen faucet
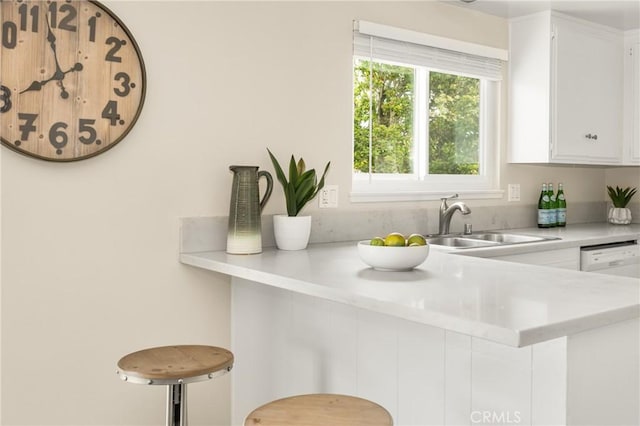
[446,212]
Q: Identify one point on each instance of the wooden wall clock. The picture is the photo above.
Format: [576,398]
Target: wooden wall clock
[72,79]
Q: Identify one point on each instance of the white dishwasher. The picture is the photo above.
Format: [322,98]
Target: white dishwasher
[621,259]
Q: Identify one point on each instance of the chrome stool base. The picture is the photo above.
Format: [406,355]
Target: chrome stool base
[177,405]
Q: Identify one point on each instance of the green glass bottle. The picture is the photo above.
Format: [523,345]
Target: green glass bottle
[553,206]
[543,208]
[562,206]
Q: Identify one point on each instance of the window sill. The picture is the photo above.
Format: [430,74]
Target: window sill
[382,196]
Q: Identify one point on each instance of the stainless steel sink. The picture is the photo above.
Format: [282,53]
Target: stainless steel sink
[485,239]
[506,238]
[459,242]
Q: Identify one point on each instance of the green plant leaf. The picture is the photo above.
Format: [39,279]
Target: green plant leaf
[309,174]
[305,190]
[301,166]
[290,196]
[279,173]
[321,183]
[293,171]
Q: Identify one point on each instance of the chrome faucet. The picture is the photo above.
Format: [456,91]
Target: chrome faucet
[446,212]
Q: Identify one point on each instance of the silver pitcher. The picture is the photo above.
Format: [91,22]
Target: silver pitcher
[245,225]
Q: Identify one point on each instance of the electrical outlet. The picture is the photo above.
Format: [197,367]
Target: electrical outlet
[513,192]
[328,197]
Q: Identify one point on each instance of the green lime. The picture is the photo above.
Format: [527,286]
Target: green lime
[395,239]
[416,239]
[377,241]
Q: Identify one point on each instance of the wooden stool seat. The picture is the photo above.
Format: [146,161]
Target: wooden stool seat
[167,365]
[320,410]
[175,367]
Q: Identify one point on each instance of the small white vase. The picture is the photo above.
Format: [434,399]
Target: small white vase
[619,216]
[291,232]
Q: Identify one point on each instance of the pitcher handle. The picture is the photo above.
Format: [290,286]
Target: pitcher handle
[267,192]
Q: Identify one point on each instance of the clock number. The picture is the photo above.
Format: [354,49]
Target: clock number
[92,29]
[66,21]
[126,84]
[86,126]
[5,98]
[28,126]
[9,35]
[53,13]
[24,17]
[110,112]
[117,44]
[57,137]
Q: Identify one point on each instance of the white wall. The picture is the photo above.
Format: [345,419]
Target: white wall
[89,249]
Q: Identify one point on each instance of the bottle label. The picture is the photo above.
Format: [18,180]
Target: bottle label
[562,215]
[545,198]
[561,196]
[543,217]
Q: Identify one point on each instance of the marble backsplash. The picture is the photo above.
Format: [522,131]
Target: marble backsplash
[210,233]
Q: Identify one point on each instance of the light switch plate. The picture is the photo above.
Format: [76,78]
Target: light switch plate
[513,192]
[328,197]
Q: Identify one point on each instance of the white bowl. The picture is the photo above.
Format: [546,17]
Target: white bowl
[385,258]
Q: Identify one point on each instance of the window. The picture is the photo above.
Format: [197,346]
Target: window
[425,118]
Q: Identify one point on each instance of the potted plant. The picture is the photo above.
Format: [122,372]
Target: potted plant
[619,214]
[291,230]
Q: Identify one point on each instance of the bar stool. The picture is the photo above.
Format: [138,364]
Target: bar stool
[175,367]
[320,410]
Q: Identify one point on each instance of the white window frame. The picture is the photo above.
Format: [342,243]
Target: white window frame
[421,186]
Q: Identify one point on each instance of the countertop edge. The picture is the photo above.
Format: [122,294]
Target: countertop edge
[553,331]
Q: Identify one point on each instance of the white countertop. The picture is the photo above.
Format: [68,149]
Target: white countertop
[508,303]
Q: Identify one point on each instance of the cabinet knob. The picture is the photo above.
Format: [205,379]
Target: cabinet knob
[592,137]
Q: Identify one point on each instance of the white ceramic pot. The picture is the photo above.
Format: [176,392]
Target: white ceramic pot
[619,216]
[291,232]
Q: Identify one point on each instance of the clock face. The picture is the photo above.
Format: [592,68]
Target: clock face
[72,80]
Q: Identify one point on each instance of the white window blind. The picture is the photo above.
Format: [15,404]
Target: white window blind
[409,47]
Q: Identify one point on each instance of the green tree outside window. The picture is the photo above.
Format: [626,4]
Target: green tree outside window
[454,105]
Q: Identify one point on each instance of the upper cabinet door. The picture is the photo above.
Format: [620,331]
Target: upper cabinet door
[587,86]
[631,151]
[566,91]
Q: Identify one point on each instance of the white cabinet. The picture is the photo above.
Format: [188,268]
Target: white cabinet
[631,151]
[566,91]
[568,258]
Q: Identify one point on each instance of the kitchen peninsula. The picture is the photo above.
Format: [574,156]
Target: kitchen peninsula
[458,337]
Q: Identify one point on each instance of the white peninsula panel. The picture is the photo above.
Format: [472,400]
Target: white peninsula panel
[287,343]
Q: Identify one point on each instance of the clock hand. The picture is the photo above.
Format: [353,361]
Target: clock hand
[58,74]
[37,85]
[51,38]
